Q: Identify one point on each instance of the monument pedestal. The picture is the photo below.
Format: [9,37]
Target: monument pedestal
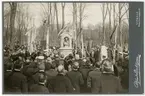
[65,51]
[66,42]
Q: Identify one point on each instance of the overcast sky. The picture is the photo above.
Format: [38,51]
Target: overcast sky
[92,10]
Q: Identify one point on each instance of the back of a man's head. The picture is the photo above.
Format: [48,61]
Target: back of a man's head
[70,56]
[53,66]
[107,66]
[75,65]
[18,64]
[41,67]
[60,69]
[97,64]
[9,66]
[42,78]
[62,56]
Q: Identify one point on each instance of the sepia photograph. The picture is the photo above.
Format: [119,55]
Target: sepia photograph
[65,47]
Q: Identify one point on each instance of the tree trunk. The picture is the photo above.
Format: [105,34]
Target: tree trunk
[104,14]
[80,23]
[63,16]
[49,27]
[115,46]
[57,22]
[80,27]
[75,24]
[103,24]
[119,28]
[7,33]
[110,26]
[12,20]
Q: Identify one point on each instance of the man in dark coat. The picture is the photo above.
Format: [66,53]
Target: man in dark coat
[29,71]
[66,59]
[51,73]
[97,55]
[77,59]
[68,62]
[85,70]
[125,75]
[35,77]
[92,58]
[41,86]
[108,83]
[7,73]
[61,83]
[33,55]
[75,77]
[26,65]
[56,60]
[93,76]
[48,63]
[32,71]
[61,60]
[17,81]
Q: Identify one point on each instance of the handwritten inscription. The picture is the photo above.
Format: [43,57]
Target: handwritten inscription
[137,80]
[138,18]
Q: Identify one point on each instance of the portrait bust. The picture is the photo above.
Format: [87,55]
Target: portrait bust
[66,42]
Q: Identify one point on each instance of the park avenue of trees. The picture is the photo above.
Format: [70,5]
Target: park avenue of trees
[112,31]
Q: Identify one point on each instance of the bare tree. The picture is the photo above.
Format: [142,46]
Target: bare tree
[63,16]
[20,21]
[49,21]
[6,22]
[121,14]
[118,33]
[104,8]
[7,31]
[81,14]
[57,22]
[48,31]
[115,46]
[75,24]
[13,7]
[109,12]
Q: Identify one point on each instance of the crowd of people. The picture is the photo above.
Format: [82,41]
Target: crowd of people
[42,73]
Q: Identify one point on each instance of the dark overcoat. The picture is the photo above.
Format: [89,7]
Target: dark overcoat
[61,84]
[108,84]
[93,76]
[38,88]
[76,79]
[18,82]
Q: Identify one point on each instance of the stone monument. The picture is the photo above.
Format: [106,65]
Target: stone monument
[66,43]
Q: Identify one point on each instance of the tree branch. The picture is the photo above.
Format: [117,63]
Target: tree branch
[124,19]
[124,13]
[101,9]
[44,9]
[122,6]
[106,12]
[10,4]
[113,32]
[126,7]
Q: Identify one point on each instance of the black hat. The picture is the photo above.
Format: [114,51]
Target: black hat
[107,66]
[18,64]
